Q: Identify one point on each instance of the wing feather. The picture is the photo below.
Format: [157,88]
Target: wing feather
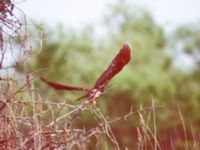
[63,87]
[120,60]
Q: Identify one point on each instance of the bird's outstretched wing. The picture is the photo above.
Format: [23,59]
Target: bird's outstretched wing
[120,60]
[63,87]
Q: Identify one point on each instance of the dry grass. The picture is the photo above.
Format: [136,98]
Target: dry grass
[29,121]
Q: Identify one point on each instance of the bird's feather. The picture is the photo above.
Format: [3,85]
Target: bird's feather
[120,60]
[63,87]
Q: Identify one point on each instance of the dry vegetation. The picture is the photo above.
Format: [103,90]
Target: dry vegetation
[32,122]
[29,121]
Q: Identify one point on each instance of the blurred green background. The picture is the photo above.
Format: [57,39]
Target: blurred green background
[78,57]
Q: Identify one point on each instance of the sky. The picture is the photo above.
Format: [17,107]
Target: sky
[77,13]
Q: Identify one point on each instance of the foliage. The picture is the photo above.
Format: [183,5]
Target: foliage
[79,57]
[187,37]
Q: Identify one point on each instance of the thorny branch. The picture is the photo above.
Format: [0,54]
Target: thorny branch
[15,41]
[75,136]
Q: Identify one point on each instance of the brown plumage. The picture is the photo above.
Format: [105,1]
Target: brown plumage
[120,60]
[63,87]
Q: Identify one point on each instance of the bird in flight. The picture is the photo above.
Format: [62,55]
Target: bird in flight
[117,64]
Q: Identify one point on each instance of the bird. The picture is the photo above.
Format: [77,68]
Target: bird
[120,60]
